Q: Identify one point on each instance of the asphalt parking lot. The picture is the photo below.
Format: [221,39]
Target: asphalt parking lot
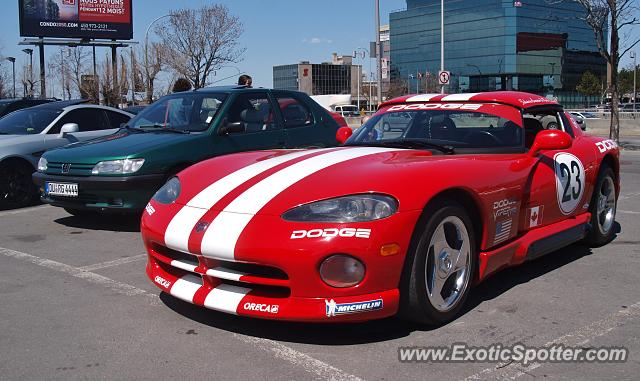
[76,304]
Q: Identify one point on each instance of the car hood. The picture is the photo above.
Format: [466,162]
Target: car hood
[271,182]
[10,140]
[119,145]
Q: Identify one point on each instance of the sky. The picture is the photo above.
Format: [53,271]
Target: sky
[276,32]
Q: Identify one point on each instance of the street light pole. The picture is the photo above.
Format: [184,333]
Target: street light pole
[13,64]
[355,55]
[30,53]
[365,52]
[635,69]
[146,50]
[442,40]
[379,52]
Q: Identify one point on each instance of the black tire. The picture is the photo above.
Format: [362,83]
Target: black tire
[416,304]
[16,187]
[602,224]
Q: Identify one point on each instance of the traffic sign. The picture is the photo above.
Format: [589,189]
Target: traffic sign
[444,77]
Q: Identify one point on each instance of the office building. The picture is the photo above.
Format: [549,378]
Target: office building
[532,45]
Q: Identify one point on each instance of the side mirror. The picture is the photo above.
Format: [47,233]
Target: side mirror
[227,128]
[68,128]
[550,140]
[343,134]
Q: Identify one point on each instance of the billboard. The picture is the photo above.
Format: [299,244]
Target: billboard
[108,19]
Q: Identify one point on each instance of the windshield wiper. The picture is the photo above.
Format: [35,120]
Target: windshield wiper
[409,143]
[135,130]
[161,127]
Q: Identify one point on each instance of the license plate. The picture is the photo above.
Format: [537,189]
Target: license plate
[61,189]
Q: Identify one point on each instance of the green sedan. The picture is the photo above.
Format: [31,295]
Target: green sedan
[121,172]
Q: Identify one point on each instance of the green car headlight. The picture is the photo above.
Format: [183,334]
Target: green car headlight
[169,192]
[122,167]
[353,208]
[42,164]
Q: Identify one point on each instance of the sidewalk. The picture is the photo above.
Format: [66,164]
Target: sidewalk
[629,132]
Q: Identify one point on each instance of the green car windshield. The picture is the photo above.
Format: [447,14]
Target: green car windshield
[188,111]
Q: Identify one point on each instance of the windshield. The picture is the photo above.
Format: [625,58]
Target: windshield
[27,121]
[448,125]
[187,111]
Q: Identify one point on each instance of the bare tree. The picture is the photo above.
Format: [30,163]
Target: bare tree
[109,93]
[615,17]
[201,41]
[76,61]
[152,66]
[5,85]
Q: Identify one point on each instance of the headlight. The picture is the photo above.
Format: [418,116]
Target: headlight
[169,192]
[123,167]
[42,164]
[355,208]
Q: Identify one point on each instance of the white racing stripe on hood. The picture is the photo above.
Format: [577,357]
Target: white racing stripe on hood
[177,234]
[220,239]
[422,98]
[459,97]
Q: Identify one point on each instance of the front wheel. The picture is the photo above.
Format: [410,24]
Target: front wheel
[602,209]
[442,267]
[16,187]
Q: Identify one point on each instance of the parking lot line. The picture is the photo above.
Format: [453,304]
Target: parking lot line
[280,351]
[121,288]
[628,212]
[24,210]
[113,263]
[628,195]
[576,338]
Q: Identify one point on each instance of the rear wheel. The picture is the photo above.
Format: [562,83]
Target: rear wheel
[442,267]
[16,188]
[602,208]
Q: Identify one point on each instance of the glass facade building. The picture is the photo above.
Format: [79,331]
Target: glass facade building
[528,45]
[339,76]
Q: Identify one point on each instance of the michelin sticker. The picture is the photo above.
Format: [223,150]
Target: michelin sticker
[570,181]
[333,308]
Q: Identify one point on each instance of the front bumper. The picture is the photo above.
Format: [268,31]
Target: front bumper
[104,193]
[278,278]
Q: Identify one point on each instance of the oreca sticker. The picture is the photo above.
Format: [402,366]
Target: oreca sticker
[569,181]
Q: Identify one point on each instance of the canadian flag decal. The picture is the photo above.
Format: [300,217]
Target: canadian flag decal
[535,216]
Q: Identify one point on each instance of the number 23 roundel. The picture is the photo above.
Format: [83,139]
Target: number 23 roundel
[570,181]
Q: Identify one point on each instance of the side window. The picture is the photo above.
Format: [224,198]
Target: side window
[254,111]
[116,119]
[294,112]
[544,120]
[566,124]
[88,119]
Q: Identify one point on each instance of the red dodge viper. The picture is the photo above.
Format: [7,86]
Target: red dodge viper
[432,195]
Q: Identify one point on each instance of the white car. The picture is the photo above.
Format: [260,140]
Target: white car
[581,118]
[26,134]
